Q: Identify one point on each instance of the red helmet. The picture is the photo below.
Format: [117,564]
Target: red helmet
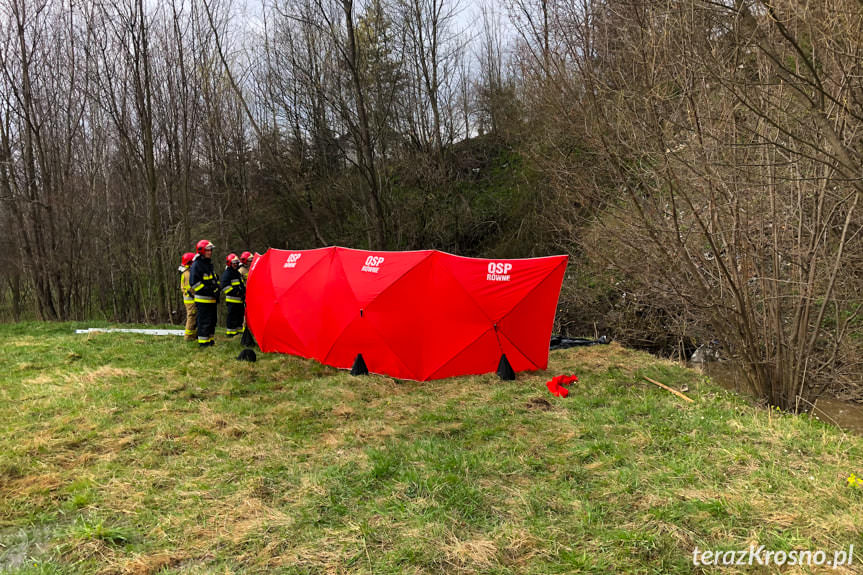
[203,245]
[231,259]
[187,258]
[245,257]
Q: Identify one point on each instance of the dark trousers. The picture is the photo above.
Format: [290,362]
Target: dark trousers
[206,321]
[234,322]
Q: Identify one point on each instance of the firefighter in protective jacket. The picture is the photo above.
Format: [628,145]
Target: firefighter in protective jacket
[205,287]
[188,296]
[234,288]
[246,259]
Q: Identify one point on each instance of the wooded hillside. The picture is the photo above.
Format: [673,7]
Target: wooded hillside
[701,161]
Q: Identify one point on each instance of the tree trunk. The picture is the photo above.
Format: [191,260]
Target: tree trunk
[366,151]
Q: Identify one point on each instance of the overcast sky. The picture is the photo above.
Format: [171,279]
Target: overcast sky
[469,19]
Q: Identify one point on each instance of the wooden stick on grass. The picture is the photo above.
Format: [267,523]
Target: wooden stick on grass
[663,386]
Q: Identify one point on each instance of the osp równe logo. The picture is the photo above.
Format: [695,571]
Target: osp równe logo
[498,272]
[373,264]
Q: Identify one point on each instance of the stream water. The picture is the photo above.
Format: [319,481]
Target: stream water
[847,415]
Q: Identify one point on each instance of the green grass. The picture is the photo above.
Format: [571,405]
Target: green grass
[139,454]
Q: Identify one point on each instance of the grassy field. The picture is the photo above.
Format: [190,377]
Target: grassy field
[139,454]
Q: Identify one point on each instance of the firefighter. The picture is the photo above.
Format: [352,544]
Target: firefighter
[188,297]
[246,264]
[234,288]
[205,287]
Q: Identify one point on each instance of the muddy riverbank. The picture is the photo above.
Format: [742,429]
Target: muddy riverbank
[847,415]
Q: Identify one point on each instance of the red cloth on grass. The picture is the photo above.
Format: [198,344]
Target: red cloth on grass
[556,384]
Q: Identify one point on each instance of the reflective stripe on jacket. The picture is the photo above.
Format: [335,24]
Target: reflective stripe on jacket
[233,286]
[203,281]
[186,287]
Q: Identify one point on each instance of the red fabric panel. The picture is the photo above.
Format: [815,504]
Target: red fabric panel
[361,337]
[260,299]
[404,332]
[303,301]
[441,323]
[414,315]
[370,273]
[288,267]
[517,358]
[480,356]
[497,285]
[338,308]
[278,281]
[528,325]
[279,334]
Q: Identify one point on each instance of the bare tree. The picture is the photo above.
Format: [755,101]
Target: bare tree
[734,148]
[432,51]
[44,176]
